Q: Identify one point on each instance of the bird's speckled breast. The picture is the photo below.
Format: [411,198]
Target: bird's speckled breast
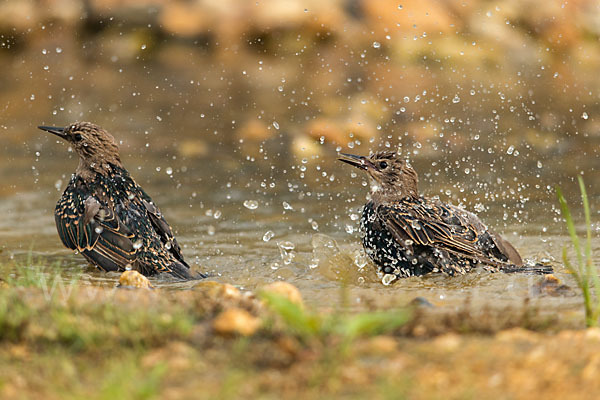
[382,248]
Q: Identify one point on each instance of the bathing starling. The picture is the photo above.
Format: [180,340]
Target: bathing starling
[407,234]
[107,217]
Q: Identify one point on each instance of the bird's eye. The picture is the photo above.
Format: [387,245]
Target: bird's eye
[383,165]
[77,137]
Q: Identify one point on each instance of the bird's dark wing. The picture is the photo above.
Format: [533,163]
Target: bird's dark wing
[162,228]
[433,225]
[95,231]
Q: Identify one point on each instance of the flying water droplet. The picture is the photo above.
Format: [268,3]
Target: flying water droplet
[251,204]
[268,236]
[286,250]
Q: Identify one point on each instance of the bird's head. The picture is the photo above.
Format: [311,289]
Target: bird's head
[95,146]
[393,178]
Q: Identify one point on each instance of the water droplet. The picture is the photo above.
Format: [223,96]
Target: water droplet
[251,204]
[388,279]
[144,46]
[376,45]
[286,250]
[360,259]
[456,99]
[268,236]
[287,206]
[584,115]
[349,228]
[314,225]
[275,125]
[169,171]
[137,244]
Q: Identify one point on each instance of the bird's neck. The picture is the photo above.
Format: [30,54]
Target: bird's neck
[392,194]
[88,168]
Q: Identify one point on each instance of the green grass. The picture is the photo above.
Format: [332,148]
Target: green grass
[584,270]
[310,325]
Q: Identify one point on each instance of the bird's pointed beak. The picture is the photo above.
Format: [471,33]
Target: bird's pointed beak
[356,161]
[60,132]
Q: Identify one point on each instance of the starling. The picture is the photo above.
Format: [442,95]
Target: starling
[107,217]
[406,234]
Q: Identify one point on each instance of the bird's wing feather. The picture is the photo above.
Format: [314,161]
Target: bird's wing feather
[162,228]
[95,231]
[432,226]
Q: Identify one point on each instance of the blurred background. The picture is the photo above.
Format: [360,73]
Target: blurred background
[231,113]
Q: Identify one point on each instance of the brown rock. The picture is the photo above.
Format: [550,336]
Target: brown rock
[235,321]
[219,289]
[255,130]
[286,290]
[184,18]
[328,129]
[133,279]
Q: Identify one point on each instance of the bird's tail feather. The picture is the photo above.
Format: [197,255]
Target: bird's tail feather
[537,269]
[183,272]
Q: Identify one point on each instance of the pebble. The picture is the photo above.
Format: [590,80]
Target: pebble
[286,290]
[236,321]
[133,279]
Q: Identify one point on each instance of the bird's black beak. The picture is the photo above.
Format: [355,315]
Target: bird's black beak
[60,132]
[356,161]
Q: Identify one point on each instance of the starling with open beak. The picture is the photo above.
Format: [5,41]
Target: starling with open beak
[407,234]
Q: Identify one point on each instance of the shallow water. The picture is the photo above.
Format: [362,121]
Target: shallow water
[301,196]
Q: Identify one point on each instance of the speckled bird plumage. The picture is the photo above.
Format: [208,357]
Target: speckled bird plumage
[406,234]
[107,217]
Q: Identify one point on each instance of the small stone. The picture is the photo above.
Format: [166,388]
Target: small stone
[255,130]
[133,279]
[218,289]
[286,290]
[235,321]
